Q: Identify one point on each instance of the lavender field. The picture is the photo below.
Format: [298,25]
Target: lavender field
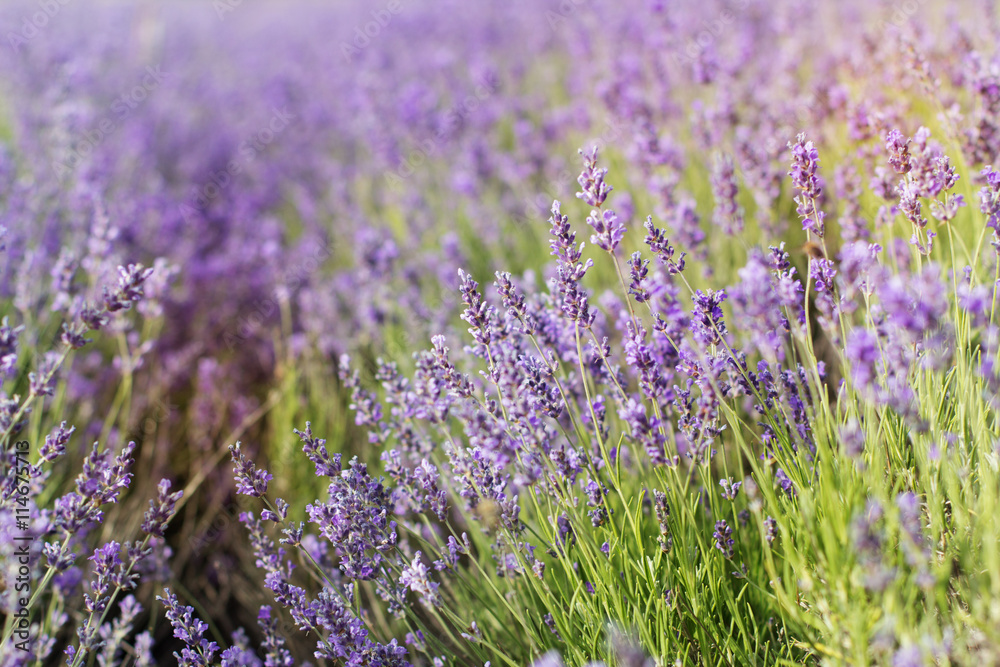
[605,333]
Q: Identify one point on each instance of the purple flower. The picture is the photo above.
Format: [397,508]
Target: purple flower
[909,656]
[898,147]
[759,303]
[355,519]
[155,520]
[591,180]
[989,202]
[129,288]
[563,241]
[805,162]
[608,230]
[645,431]
[55,443]
[8,347]
[909,203]
[662,510]
[771,526]
[449,560]
[910,521]
[917,304]
[730,488]
[416,577]
[550,659]
[723,538]
[198,651]
[315,449]
[657,241]
[822,273]
[249,480]
[868,537]
[514,302]
[638,272]
[978,301]
[477,312]
[784,482]
[106,562]
[100,482]
[706,318]
[853,439]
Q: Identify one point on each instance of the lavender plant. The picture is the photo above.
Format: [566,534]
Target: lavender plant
[462,436]
[547,515]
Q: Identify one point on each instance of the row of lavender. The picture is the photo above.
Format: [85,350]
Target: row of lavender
[800,466]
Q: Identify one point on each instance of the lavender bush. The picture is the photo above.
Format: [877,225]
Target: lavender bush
[577,333]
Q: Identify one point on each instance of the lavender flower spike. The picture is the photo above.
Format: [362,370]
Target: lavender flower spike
[198,651]
[591,180]
[249,480]
[159,512]
[608,230]
[805,162]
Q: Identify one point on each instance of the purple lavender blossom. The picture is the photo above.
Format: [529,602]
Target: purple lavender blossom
[863,355]
[989,202]
[249,480]
[8,347]
[638,272]
[274,644]
[771,527]
[646,431]
[730,488]
[898,148]
[55,443]
[315,449]
[709,328]
[416,577]
[129,288]
[723,538]
[805,162]
[100,482]
[477,313]
[106,562]
[198,651]
[355,519]
[658,243]
[608,230]
[155,520]
[593,188]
